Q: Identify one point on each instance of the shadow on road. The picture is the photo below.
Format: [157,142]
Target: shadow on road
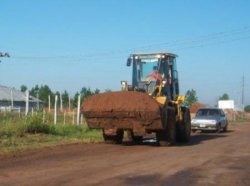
[204,136]
[199,138]
[196,139]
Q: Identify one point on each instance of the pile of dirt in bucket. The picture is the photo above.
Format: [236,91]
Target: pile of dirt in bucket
[120,106]
[120,101]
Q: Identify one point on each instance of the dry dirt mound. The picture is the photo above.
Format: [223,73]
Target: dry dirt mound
[120,101]
[196,106]
[119,107]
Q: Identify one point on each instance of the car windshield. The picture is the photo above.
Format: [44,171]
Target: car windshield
[208,112]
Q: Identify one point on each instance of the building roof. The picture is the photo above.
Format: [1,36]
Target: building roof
[6,93]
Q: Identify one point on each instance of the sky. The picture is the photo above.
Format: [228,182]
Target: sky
[70,44]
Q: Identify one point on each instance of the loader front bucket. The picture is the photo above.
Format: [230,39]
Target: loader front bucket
[122,110]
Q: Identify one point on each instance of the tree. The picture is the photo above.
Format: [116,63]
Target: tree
[85,93]
[34,91]
[191,97]
[42,93]
[225,96]
[97,91]
[247,108]
[65,98]
[23,88]
[75,99]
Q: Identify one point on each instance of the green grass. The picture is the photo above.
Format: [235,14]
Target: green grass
[239,121]
[31,133]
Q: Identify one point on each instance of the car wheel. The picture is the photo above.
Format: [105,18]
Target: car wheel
[225,128]
[218,128]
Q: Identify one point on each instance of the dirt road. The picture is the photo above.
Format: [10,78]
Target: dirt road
[209,159]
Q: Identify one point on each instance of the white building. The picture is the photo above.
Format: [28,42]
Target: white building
[12,99]
[226,104]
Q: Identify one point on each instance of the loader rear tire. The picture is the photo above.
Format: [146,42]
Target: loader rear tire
[113,139]
[183,130]
[167,136]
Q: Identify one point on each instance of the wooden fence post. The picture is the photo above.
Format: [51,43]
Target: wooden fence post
[49,103]
[27,103]
[64,117]
[55,110]
[43,115]
[73,120]
[78,109]
[61,103]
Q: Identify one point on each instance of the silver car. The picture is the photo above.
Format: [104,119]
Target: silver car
[209,119]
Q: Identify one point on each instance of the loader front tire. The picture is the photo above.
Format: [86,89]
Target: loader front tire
[183,127]
[167,136]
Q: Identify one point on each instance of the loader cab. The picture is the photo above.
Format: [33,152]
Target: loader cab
[149,70]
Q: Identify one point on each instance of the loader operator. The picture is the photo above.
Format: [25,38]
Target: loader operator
[154,75]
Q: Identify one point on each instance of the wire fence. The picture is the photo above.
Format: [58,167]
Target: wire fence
[62,117]
[55,115]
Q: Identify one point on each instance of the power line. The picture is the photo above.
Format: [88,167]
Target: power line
[201,41]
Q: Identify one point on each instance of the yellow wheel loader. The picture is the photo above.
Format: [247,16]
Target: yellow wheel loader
[152,103]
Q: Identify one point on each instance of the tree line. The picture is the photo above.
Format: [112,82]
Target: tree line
[44,91]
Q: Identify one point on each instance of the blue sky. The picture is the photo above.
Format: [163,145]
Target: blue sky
[68,44]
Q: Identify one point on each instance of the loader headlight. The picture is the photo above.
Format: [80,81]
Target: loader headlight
[164,82]
[124,85]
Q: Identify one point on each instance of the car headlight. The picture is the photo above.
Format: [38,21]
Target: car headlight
[213,122]
[193,121]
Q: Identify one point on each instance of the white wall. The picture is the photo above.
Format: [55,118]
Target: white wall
[226,104]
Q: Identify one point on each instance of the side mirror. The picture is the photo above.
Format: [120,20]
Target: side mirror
[129,61]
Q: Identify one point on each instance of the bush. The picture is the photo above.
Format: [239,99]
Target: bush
[11,130]
[67,130]
[11,127]
[247,108]
[34,124]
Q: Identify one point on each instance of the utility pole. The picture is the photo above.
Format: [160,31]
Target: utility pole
[242,93]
